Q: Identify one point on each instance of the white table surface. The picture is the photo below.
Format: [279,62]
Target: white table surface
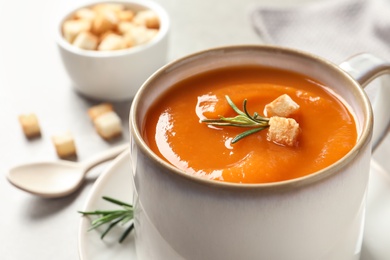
[32,79]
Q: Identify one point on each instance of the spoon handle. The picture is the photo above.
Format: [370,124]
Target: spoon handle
[105,156]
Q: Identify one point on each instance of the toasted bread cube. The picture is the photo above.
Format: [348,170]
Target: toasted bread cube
[64,145]
[125,27]
[104,22]
[125,15]
[145,36]
[102,8]
[85,13]
[30,125]
[104,35]
[147,18]
[72,28]
[140,35]
[108,125]
[99,110]
[282,106]
[283,131]
[86,41]
[129,39]
[112,42]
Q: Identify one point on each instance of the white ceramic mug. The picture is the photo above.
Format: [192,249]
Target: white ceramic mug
[319,216]
[115,75]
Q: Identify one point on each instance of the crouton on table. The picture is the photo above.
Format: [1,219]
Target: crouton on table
[108,125]
[64,145]
[30,125]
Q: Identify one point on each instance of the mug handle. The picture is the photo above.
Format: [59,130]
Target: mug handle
[364,68]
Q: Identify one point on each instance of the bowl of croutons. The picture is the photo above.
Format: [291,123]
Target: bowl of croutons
[110,48]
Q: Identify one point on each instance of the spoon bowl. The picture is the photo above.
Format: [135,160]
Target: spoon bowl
[56,179]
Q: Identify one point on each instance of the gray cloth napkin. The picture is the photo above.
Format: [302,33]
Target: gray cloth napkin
[333,29]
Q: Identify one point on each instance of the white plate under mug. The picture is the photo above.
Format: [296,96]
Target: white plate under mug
[116,182]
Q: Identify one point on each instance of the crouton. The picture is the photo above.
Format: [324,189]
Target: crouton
[30,125]
[104,35]
[114,26]
[140,35]
[86,41]
[282,106]
[125,15]
[125,27]
[107,19]
[108,125]
[64,145]
[146,36]
[283,131]
[129,39]
[104,22]
[102,8]
[72,28]
[99,110]
[147,18]
[84,13]
[112,42]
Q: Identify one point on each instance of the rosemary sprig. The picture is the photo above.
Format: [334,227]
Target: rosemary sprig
[112,217]
[243,119]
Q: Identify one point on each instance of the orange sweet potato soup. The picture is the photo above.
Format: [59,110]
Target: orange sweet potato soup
[174,130]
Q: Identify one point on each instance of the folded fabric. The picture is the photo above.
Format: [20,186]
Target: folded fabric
[333,29]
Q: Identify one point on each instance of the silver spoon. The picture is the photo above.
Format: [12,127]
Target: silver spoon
[59,178]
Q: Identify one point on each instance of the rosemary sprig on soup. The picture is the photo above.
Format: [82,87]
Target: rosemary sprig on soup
[243,119]
[282,130]
[298,123]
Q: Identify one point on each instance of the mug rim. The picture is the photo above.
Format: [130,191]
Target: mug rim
[163,30]
[363,139]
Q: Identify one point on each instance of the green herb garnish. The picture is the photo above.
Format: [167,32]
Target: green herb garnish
[243,119]
[113,217]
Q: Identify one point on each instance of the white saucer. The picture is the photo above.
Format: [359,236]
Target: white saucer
[116,182]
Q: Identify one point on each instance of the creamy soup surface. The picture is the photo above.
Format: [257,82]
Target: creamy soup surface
[174,130]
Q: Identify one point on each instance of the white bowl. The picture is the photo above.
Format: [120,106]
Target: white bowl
[115,75]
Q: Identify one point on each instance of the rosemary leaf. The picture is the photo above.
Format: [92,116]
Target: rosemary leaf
[230,102]
[117,202]
[245,134]
[243,119]
[126,233]
[112,218]
[113,224]
[105,219]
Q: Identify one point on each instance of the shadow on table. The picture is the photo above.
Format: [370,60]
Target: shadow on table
[366,254]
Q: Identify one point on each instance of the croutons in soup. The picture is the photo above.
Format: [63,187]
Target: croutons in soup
[324,130]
